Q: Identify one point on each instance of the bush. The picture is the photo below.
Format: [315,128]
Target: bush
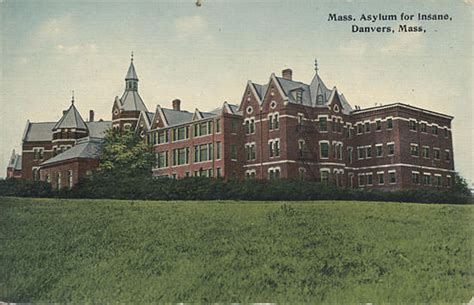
[25,188]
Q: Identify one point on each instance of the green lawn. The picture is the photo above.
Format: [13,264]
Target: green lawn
[319,252]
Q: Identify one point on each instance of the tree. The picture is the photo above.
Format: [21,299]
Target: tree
[460,185]
[126,153]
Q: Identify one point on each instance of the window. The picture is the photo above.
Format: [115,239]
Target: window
[273,121]
[426,179]
[323,124]
[434,130]
[415,177]
[319,100]
[334,150]
[36,174]
[379,150]
[367,126]
[250,152]
[274,173]
[333,125]
[380,178]
[446,132]
[324,150]
[48,178]
[299,96]
[423,127]
[58,180]
[181,156]
[447,155]
[361,180]
[203,152]
[302,173]
[324,176]
[300,119]
[338,178]
[378,125]
[181,133]
[414,150]
[391,149]
[301,147]
[233,152]
[274,148]
[162,159]
[339,126]
[392,176]
[218,125]
[360,129]
[69,178]
[369,179]
[250,174]
[218,150]
[250,126]
[438,180]
[426,152]
[219,172]
[368,152]
[389,123]
[448,181]
[349,154]
[436,154]
[413,125]
[360,153]
[163,137]
[38,153]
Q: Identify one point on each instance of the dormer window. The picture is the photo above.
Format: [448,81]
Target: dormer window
[319,100]
[299,96]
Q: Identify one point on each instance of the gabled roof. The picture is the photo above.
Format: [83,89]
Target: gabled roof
[15,161]
[131,74]
[131,101]
[97,129]
[11,162]
[177,117]
[86,148]
[38,132]
[71,119]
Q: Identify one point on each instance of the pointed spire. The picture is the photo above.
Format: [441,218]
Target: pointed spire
[72,98]
[131,74]
[71,118]
[316,68]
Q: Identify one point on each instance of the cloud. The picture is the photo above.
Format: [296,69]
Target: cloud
[354,47]
[76,48]
[404,44]
[190,25]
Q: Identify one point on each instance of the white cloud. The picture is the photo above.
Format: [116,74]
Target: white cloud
[190,25]
[76,48]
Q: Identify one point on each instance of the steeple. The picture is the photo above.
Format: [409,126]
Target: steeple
[71,119]
[131,79]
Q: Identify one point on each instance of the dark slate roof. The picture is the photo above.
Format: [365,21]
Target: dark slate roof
[131,74]
[132,101]
[17,165]
[44,131]
[175,117]
[71,119]
[86,148]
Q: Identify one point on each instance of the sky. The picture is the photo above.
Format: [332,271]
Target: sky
[205,55]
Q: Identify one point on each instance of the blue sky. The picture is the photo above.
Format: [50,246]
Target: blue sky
[205,55]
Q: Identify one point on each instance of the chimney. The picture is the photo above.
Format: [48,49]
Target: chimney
[91,115]
[177,105]
[287,74]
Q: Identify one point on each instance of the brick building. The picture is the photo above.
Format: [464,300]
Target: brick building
[14,166]
[283,129]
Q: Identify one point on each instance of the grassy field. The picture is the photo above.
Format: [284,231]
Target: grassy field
[104,251]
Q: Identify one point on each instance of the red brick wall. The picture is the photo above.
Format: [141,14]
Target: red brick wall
[79,168]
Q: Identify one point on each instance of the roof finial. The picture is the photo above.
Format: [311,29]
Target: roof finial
[132,57]
[316,68]
[72,98]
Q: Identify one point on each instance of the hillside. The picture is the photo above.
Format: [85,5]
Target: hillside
[138,251]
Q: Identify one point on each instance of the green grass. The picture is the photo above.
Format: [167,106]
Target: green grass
[103,251]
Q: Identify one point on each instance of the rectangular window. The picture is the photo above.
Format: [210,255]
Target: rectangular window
[414,150]
[274,173]
[413,125]
[415,177]
[368,152]
[324,150]
[163,137]
[361,180]
[389,123]
[448,181]
[426,152]
[367,126]
[434,130]
[378,125]
[438,180]
[180,133]
[423,127]
[392,176]
[325,177]
[379,150]
[218,125]
[360,153]
[380,178]
[360,129]
[233,152]
[369,179]
[349,153]
[250,152]
[391,149]
[446,132]
[426,179]
[180,156]
[38,153]
[447,155]
[162,159]
[333,125]
[436,154]
[218,150]
[323,124]
[70,178]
